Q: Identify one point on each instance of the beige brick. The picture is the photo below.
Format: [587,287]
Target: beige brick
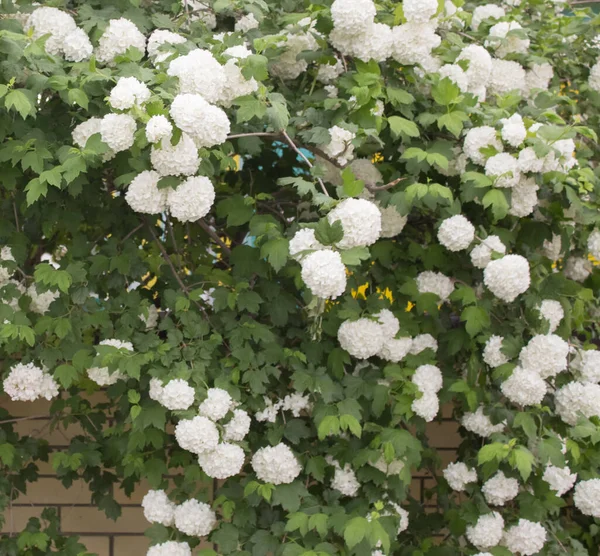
[429,497]
[100,546]
[131,545]
[51,491]
[444,434]
[16,518]
[92,520]
[26,409]
[40,428]
[415,489]
[447,410]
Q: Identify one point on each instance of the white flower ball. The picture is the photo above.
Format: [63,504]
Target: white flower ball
[236,85]
[482,254]
[389,323]
[177,395]
[361,222]
[53,22]
[546,354]
[505,44]
[103,377]
[120,35]
[506,76]
[195,518]
[157,39]
[117,131]
[486,11]
[593,244]
[428,378]
[158,508]
[459,476]
[524,387]
[176,160]
[143,194]
[362,338]
[324,273]
[552,249]
[479,70]
[40,302]
[526,537]
[394,350]
[456,233]
[419,11]
[197,435]
[276,465]
[560,479]
[513,130]
[507,277]
[456,74]
[304,240]
[529,161]
[340,147]
[85,130]
[427,406]
[151,320]
[345,481]
[422,342]
[296,403]
[170,548]
[77,46]
[577,399]
[225,461]
[538,77]
[487,532]
[217,404]
[27,383]
[587,497]
[590,366]
[128,92]
[435,282]
[524,197]
[192,199]
[578,269]
[246,23]
[238,427]
[594,79]
[392,222]
[500,489]
[504,168]
[479,423]
[352,16]
[158,128]
[199,73]
[478,138]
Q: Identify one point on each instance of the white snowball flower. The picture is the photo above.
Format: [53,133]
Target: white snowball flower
[427,406]
[594,79]
[158,128]
[590,366]
[576,399]
[587,497]
[304,240]
[456,233]
[478,138]
[506,76]
[419,11]
[593,244]
[197,435]
[120,35]
[538,77]
[479,70]
[513,130]
[155,390]
[504,43]
[526,537]
[504,168]
[170,548]
[435,282]
[324,273]
[195,518]
[524,387]
[482,254]
[361,222]
[40,302]
[492,352]
[288,65]
[176,160]
[546,354]
[177,394]
[158,508]
[225,461]
[269,413]
[77,46]
[422,342]
[392,222]
[85,130]
[117,131]
[389,323]
[157,39]
[340,147]
[103,377]
[459,476]
[27,383]
[508,277]
[552,249]
[276,465]
[529,161]
[208,125]
[487,532]
[479,423]
[199,73]
[327,73]
[351,16]
[560,479]
[53,22]
[484,12]
[143,194]
[236,85]
[412,44]
[217,404]
[524,197]
[246,23]
[456,74]
[500,489]
[296,403]
[344,480]
[578,269]
[362,338]
[428,378]
[192,199]
[128,92]
[119,344]
[238,427]
[239,52]
[394,350]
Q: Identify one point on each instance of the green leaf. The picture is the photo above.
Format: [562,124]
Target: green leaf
[522,459]
[276,252]
[350,422]
[453,122]
[20,102]
[249,107]
[497,200]
[526,422]
[491,452]
[329,234]
[237,211]
[297,522]
[66,375]
[255,66]
[355,255]
[476,319]
[355,531]
[77,96]
[7,454]
[330,425]
[352,187]
[445,92]
[399,96]
[402,126]
[35,189]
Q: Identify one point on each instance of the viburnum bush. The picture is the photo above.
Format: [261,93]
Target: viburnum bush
[279,236]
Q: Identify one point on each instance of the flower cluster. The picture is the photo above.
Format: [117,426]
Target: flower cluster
[26,383]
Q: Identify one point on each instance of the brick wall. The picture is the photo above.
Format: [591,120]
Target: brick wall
[105,537]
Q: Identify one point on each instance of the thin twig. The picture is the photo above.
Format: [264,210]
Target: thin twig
[386,186]
[16,216]
[167,259]
[174,241]
[301,154]
[132,232]
[254,134]
[214,236]
[17,419]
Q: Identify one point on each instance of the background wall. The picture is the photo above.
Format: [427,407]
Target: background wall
[105,537]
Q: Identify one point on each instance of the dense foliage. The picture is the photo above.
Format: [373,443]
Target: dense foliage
[280,235]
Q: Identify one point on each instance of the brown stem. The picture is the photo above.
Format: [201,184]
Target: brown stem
[386,186]
[132,232]
[16,216]
[174,241]
[30,418]
[214,236]
[254,134]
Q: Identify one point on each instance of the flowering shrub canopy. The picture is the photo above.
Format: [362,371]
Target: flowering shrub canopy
[280,235]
